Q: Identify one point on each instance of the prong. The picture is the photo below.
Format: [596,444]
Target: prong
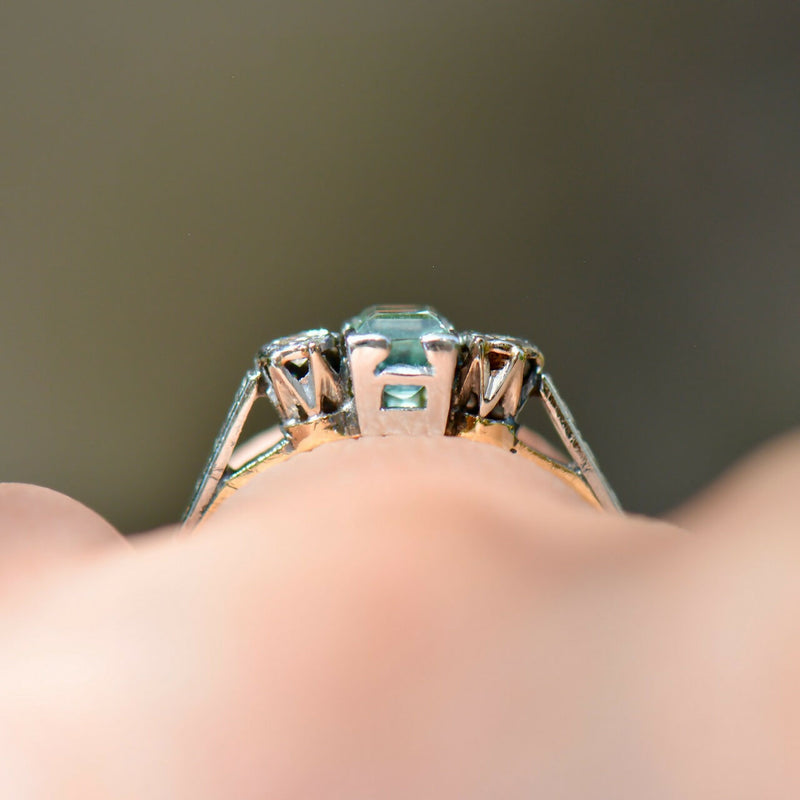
[301,380]
[497,376]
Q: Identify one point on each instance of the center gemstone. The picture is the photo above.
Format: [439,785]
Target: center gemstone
[404,327]
[404,397]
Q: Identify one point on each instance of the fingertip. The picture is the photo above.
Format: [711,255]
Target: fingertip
[42,530]
[757,493]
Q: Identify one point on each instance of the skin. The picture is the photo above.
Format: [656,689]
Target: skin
[396,617]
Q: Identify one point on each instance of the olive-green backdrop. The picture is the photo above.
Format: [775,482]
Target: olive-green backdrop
[181,181]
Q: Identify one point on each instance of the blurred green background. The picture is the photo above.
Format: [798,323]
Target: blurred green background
[182,181]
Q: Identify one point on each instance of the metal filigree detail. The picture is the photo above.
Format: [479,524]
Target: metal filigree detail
[497,376]
[306,377]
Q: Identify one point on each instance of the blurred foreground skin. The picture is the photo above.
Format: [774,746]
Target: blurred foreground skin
[422,618]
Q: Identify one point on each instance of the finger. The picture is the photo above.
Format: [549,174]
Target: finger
[723,631]
[429,466]
[379,617]
[759,494]
[414,487]
[42,531]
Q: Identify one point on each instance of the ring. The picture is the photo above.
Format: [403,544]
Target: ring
[395,370]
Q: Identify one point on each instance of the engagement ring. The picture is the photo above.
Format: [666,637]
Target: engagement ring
[396,371]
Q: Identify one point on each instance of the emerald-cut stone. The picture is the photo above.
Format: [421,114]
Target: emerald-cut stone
[404,327]
[404,397]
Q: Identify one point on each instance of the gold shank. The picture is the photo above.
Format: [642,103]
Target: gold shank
[316,433]
[504,436]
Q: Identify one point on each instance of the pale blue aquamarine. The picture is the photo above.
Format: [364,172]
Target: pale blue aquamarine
[403,396]
[404,327]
